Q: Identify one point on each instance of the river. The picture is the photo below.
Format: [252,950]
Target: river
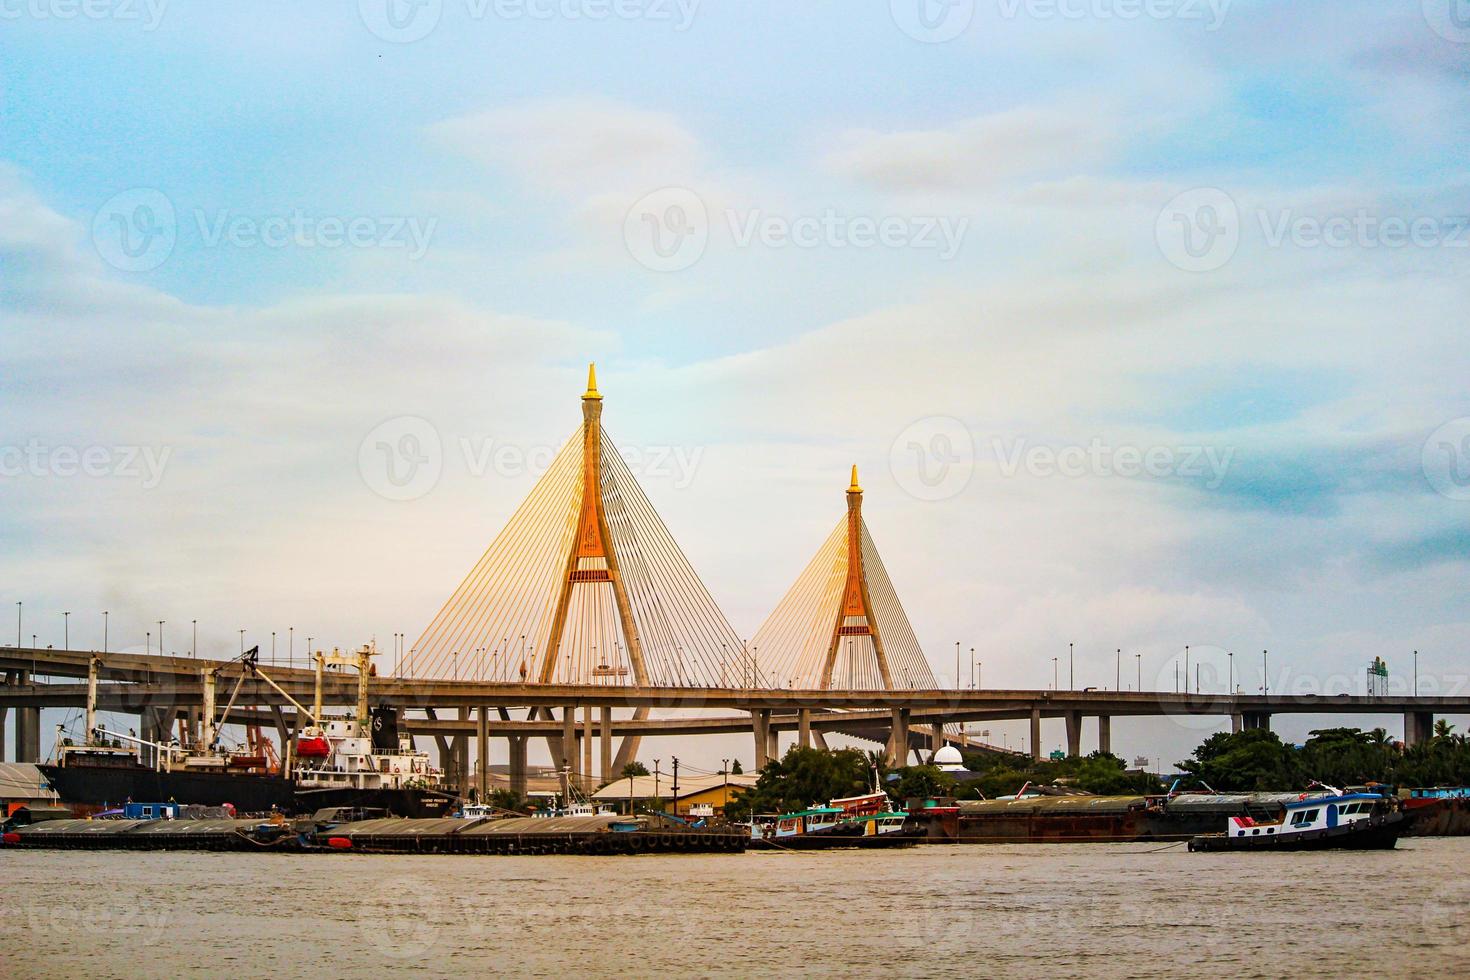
[964,910]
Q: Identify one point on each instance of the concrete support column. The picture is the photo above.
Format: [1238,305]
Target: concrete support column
[1074,733]
[1256,719]
[1418,727]
[1105,733]
[587,781]
[1035,733]
[1236,723]
[482,754]
[568,738]
[4,713]
[27,734]
[518,765]
[898,738]
[804,728]
[761,725]
[605,736]
[462,756]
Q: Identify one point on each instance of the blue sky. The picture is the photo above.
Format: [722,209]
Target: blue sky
[1038,173]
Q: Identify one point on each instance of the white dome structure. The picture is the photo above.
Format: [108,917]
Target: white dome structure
[948,759]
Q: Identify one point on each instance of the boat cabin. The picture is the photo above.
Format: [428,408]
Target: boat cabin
[1309,814]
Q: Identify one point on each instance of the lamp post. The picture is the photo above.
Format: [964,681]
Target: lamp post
[1265,675]
[1118,670]
[66,631]
[979,675]
[1416,673]
[104,631]
[242,643]
[160,637]
[18,609]
[1071,672]
[1230,676]
[956,665]
[1053,673]
[1138,658]
[194,641]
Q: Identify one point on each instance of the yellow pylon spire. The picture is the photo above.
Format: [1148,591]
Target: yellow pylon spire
[854,488]
[592,383]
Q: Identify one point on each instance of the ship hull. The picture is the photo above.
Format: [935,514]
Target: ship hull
[1366,835]
[86,789]
[416,803]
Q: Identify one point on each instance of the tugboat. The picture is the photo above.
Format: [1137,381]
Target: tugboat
[869,820]
[1335,820]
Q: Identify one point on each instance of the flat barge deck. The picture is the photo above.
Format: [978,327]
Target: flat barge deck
[516,835]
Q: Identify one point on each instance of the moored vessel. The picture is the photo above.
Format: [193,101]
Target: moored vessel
[1336,820]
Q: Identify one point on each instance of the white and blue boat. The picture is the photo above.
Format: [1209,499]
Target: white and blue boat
[1349,821]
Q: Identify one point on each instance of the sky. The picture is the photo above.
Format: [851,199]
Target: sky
[1143,322]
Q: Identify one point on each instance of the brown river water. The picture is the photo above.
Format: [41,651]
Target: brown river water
[966,910]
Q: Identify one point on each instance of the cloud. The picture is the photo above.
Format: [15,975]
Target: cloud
[575,146]
[980,152]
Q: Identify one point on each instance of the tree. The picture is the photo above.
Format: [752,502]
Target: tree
[800,778]
[922,782]
[634,768]
[1251,760]
[735,768]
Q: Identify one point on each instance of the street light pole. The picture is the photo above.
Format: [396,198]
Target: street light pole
[104,631]
[66,631]
[1416,673]
[18,642]
[1138,658]
[194,642]
[1265,675]
[1071,673]
[1118,670]
[160,637]
[1053,673]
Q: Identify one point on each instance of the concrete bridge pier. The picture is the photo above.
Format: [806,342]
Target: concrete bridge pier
[761,727]
[1074,733]
[482,753]
[568,738]
[27,734]
[1250,720]
[1418,727]
[804,728]
[517,746]
[1035,733]
[1105,733]
[4,716]
[605,740]
[898,738]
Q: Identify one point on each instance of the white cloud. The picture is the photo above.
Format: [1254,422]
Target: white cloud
[576,146]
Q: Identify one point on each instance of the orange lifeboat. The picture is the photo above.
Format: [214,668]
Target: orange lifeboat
[313,744]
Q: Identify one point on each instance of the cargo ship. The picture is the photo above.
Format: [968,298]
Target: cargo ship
[360,762]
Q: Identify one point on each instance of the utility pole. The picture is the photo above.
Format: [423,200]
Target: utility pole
[725,771]
[655,783]
[676,786]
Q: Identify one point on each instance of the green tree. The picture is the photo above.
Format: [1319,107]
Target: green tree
[801,778]
[922,782]
[735,768]
[632,769]
[1251,760]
